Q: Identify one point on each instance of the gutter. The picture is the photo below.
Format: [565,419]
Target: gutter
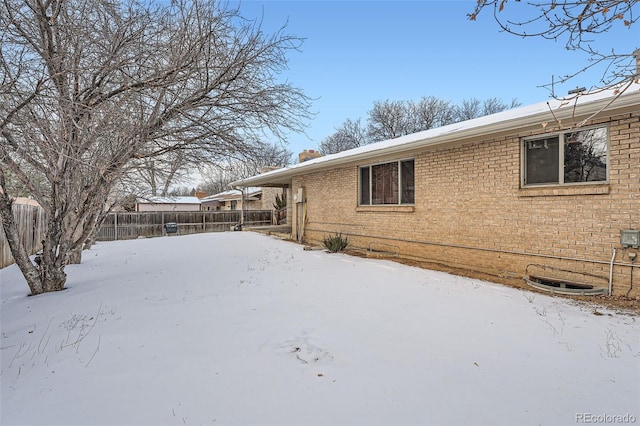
[456,132]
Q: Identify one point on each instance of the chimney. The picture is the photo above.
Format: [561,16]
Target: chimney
[636,54]
[308,155]
[268,169]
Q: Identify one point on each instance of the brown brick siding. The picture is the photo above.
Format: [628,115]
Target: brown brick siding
[470,213]
[269,197]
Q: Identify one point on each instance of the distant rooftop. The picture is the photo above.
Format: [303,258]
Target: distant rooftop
[169,200]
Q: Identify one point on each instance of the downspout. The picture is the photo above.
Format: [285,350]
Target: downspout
[304,220]
[613,256]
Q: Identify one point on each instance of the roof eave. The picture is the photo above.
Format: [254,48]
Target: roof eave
[281,177]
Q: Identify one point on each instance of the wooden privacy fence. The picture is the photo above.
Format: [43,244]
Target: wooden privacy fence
[124,226]
[31,225]
[280,216]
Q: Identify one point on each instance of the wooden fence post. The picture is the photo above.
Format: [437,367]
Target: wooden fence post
[146,223]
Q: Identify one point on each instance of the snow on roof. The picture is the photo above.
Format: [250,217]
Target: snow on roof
[169,200]
[540,113]
[221,195]
[232,194]
[26,201]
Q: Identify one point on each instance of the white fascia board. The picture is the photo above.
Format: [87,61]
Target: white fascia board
[507,121]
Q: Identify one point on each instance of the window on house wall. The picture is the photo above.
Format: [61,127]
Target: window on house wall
[565,158]
[387,183]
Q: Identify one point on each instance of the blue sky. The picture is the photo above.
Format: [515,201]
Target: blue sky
[357,52]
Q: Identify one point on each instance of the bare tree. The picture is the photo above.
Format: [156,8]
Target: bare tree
[579,24]
[351,134]
[468,109]
[90,87]
[494,105]
[392,119]
[430,112]
[162,172]
[474,108]
[217,176]
[263,155]
[388,120]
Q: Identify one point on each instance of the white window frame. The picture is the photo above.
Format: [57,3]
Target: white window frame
[370,167]
[561,143]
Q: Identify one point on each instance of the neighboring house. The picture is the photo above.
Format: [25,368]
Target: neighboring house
[168,204]
[542,190]
[254,199]
[28,201]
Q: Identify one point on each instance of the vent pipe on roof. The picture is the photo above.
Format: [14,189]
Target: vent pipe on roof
[577,91]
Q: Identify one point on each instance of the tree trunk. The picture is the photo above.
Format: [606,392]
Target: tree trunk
[75,257]
[89,243]
[53,277]
[19,253]
[54,257]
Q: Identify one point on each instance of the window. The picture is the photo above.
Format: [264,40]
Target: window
[387,183]
[566,158]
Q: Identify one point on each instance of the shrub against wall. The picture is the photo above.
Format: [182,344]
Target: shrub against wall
[335,243]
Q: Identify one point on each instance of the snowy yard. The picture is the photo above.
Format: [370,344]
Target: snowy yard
[241,328]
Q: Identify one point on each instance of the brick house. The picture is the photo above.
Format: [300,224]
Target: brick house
[538,191]
[233,199]
[168,204]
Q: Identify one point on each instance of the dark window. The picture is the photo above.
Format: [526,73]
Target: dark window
[542,160]
[388,183]
[365,194]
[570,157]
[384,184]
[585,156]
[408,188]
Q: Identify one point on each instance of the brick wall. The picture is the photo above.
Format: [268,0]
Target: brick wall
[470,213]
[269,197]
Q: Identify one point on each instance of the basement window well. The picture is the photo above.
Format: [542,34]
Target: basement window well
[556,286]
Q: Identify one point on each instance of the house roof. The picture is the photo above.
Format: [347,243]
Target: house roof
[234,194]
[547,115]
[169,200]
[26,201]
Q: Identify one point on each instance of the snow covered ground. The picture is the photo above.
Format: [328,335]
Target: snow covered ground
[241,328]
